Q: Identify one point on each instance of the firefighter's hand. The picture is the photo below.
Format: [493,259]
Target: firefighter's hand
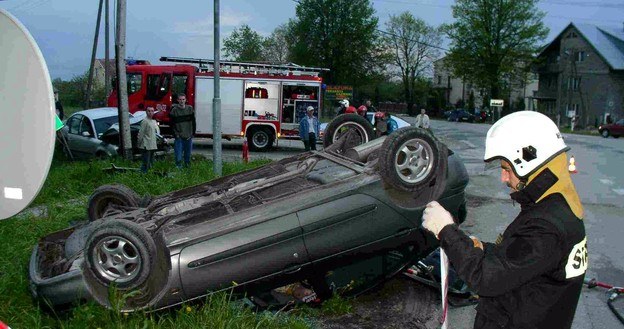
[435,218]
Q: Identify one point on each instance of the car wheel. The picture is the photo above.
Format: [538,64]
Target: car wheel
[409,159]
[121,253]
[260,139]
[100,155]
[355,128]
[106,197]
[604,133]
[616,136]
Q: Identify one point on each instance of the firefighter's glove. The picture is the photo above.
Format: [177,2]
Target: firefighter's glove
[435,218]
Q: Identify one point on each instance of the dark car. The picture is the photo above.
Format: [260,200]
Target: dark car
[612,129]
[461,115]
[95,133]
[291,220]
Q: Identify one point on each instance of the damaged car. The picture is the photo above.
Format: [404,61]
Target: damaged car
[306,217]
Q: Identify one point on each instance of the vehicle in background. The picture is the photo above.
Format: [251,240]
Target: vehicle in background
[461,115]
[259,101]
[95,133]
[612,129]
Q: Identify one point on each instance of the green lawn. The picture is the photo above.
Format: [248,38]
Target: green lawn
[61,201]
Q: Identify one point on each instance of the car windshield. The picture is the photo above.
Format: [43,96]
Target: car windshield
[102,124]
[620,122]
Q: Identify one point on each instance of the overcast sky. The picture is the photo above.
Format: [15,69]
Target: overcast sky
[64,28]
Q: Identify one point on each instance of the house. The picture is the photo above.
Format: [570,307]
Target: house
[581,75]
[99,70]
[453,89]
[456,90]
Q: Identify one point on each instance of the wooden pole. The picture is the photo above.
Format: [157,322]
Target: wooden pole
[122,90]
[216,101]
[93,51]
[107,73]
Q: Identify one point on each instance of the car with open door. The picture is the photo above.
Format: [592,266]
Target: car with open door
[306,217]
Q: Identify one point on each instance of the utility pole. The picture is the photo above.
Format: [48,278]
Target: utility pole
[122,90]
[107,73]
[94,50]
[216,101]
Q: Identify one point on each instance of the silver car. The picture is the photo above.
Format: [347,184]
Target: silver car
[95,132]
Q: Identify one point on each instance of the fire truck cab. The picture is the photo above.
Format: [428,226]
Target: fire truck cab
[261,102]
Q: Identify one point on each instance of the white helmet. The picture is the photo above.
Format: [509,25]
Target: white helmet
[526,139]
[344,102]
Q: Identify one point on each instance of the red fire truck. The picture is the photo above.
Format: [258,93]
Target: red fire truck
[262,102]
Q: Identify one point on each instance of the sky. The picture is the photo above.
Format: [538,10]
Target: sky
[64,29]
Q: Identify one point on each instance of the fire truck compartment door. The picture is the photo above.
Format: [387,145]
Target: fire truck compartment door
[231,93]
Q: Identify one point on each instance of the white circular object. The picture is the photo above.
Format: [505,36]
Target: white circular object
[27,128]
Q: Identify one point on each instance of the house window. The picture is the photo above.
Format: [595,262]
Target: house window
[439,79]
[572,35]
[573,83]
[579,56]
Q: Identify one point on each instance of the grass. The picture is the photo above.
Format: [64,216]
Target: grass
[63,196]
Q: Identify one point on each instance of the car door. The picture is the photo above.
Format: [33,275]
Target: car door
[80,136]
[619,128]
[268,252]
[350,224]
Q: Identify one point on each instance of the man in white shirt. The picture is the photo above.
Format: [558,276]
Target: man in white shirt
[422,120]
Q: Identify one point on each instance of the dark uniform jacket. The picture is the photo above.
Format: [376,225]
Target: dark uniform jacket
[183,119]
[533,277]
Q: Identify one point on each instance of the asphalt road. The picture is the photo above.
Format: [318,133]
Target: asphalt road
[599,182]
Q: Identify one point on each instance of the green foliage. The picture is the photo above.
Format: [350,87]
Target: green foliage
[72,92]
[244,45]
[471,101]
[490,38]
[412,43]
[275,48]
[340,35]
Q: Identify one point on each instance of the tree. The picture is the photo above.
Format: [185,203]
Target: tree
[72,92]
[414,46]
[243,45]
[276,48]
[489,38]
[337,34]
[471,101]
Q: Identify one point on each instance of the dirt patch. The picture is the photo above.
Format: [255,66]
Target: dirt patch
[400,303]
[474,201]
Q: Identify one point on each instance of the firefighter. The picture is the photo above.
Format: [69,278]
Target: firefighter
[346,108]
[532,276]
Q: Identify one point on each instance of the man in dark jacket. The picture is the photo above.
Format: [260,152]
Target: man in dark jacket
[533,275]
[183,119]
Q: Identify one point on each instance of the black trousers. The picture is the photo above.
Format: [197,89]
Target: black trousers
[310,144]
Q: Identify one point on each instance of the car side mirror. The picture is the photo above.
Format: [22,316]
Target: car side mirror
[86,134]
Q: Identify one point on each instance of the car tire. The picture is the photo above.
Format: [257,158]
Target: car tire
[120,253]
[604,133]
[343,123]
[107,195]
[260,139]
[409,159]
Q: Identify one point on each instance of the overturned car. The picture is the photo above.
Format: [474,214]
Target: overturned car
[296,219]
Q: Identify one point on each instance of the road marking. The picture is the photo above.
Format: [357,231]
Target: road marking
[606,182]
[619,191]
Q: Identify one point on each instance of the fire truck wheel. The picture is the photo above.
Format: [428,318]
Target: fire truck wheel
[360,130]
[107,196]
[409,159]
[260,139]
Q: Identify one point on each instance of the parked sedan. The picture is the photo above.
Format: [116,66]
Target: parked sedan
[612,129]
[461,115]
[291,220]
[95,132]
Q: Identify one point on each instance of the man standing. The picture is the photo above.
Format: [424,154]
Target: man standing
[146,140]
[58,105]
[533,275]
[183,118]
[309,129]
[370,107]
[422,120]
